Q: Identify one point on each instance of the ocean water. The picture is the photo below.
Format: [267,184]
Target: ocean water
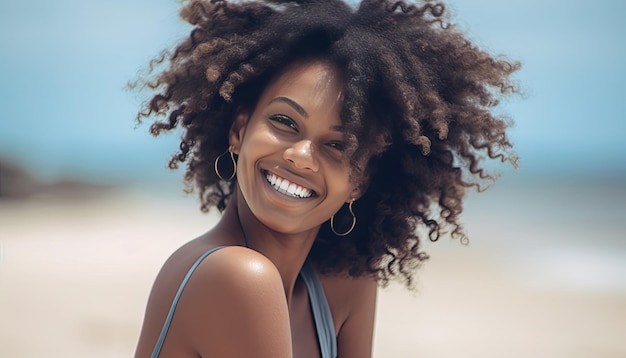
[559,234]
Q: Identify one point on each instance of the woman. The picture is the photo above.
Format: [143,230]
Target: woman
[330,137]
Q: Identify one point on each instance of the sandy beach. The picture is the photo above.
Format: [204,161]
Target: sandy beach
[75,275]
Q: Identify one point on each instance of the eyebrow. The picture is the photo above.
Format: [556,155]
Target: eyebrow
[293,104]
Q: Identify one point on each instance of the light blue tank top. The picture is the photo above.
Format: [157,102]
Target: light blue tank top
[319,305]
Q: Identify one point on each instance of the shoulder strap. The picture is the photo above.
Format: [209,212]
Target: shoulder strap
[321,312]
[168,320]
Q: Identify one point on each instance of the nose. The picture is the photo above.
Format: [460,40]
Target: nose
[302,155]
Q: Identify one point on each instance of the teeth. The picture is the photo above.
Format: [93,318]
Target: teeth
[286,187]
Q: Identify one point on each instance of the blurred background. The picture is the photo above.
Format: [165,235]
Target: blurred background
[88,210]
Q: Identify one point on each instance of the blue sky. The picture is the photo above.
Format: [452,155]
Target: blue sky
[64,64]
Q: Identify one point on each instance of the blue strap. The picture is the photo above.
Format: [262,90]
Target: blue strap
[168,320]
[321,312]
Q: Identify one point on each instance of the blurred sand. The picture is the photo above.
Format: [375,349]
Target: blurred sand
[75,275]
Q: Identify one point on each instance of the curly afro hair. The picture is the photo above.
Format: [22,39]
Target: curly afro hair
[418,107]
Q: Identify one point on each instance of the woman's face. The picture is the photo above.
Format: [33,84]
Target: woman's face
[291,169]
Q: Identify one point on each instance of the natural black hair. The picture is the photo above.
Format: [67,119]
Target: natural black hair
[418,107]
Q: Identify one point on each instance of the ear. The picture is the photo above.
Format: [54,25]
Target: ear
[358,191]
[238,130]
[360,187]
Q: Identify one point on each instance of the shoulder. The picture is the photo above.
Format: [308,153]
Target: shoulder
[213,269]
[348,289]
[234,294]
[236,262]
[347,295]
[225,268]
[353,304]
[230,279]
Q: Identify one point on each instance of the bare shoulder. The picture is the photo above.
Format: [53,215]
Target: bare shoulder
[235,267]
[234,295]
[348,291]
[353,305]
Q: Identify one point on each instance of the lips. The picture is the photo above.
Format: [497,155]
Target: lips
[288,188]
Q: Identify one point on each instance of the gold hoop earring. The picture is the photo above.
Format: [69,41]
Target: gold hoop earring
[234,164]
[332,222]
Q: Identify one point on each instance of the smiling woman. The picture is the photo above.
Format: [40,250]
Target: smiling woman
[293,138]
[328,136]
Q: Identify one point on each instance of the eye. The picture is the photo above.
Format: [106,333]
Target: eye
[338,145]
[283,120]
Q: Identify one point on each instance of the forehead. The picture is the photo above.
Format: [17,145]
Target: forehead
[313,84]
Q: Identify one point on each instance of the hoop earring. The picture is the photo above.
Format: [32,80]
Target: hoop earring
[332,222]
[234,164]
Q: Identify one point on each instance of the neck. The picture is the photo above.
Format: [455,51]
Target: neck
[286,251]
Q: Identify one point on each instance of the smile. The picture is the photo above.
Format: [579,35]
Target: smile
[288,188]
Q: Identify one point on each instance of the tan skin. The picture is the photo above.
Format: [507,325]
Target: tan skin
[250,302]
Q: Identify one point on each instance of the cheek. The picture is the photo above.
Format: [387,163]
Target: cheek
[257,139]
[257,143]
[339,180]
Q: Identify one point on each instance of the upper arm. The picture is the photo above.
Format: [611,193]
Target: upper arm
[356,334]
[233,306]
